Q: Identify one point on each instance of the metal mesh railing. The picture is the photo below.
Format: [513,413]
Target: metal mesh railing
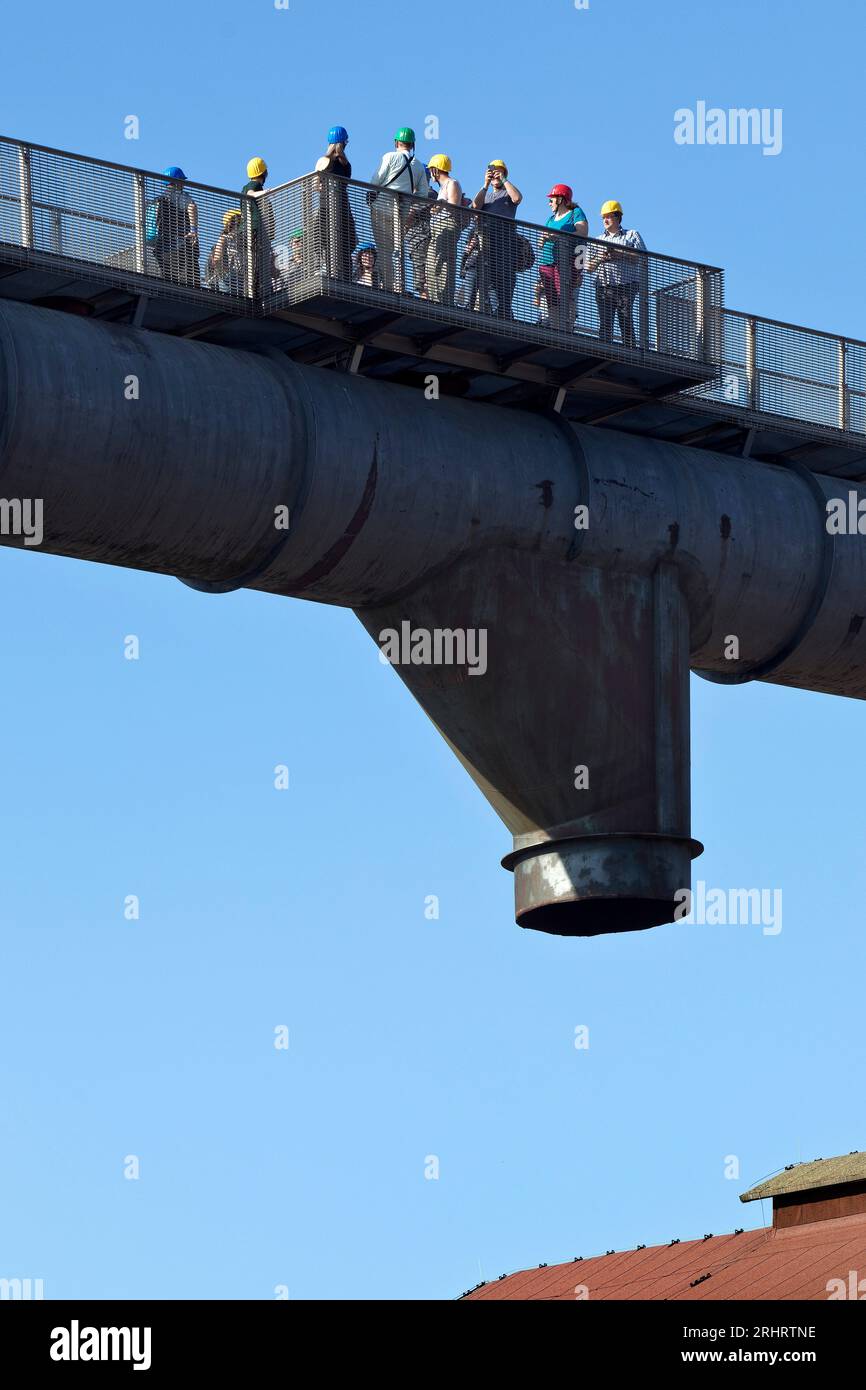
[797,374]
[123,222]
[192,241]
[291,212]
[369,244]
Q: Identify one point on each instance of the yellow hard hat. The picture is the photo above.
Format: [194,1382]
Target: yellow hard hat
[611,206]
[440,161]
[256,168]
[498,164]
[230,215]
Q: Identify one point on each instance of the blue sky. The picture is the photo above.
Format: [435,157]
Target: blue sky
[305,908]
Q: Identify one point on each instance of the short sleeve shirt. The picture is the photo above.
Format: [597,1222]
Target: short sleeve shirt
[499,202]
[564,223]
[621,270]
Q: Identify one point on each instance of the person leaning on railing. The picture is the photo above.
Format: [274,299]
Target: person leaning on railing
[341,235]
[225,264]
[171,230]
[617,275]
[399,172]
[262,223]
[497,264]
[445,231]
[558,270]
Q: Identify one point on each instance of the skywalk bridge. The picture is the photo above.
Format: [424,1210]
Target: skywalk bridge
[74,236]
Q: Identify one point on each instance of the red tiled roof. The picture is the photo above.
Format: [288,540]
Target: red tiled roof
[765,1264]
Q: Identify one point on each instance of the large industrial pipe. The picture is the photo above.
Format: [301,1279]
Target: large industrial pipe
[590,569]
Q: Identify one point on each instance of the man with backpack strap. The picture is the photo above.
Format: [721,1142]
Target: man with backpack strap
[399,172]
[171,230]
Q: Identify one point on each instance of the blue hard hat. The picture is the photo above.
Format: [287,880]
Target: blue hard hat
[367,246]
[174,172]
[338,135]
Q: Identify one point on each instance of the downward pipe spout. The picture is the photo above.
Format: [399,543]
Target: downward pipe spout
[599,568]
[578,732]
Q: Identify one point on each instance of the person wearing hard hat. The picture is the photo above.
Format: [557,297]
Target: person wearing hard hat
[365,271]
[261,221]
[399,172]
[225,264]
[335,154]
[498,194]
[171,230]
[557,268]
[499,199]
[445,228]
[335,195]
[617,274]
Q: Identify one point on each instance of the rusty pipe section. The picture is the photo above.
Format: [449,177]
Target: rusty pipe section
[173,456]
[771,594]
[598,566]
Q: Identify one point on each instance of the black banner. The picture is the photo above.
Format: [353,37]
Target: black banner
[151,1339]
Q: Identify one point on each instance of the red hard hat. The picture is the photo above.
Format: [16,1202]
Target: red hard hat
[560,190]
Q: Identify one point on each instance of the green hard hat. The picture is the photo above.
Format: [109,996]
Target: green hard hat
[296,234]
[405,135]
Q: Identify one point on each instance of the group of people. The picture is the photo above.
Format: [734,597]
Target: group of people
[494,253]
[483,276]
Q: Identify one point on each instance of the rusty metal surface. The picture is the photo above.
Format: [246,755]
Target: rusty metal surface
[599,884]
[442,515]
[763,1264]
[828,1204]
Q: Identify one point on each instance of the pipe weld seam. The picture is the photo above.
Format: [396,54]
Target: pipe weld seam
[251,576]
[761,669]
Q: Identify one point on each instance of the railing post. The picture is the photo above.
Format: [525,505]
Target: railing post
[26,196]
[751,364]
[307,225]
[701,316]
[139,192]
[56,232]
[643,304]
[249,249]
[843,410]
[325,223]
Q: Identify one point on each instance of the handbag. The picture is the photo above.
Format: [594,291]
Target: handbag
[525,258]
